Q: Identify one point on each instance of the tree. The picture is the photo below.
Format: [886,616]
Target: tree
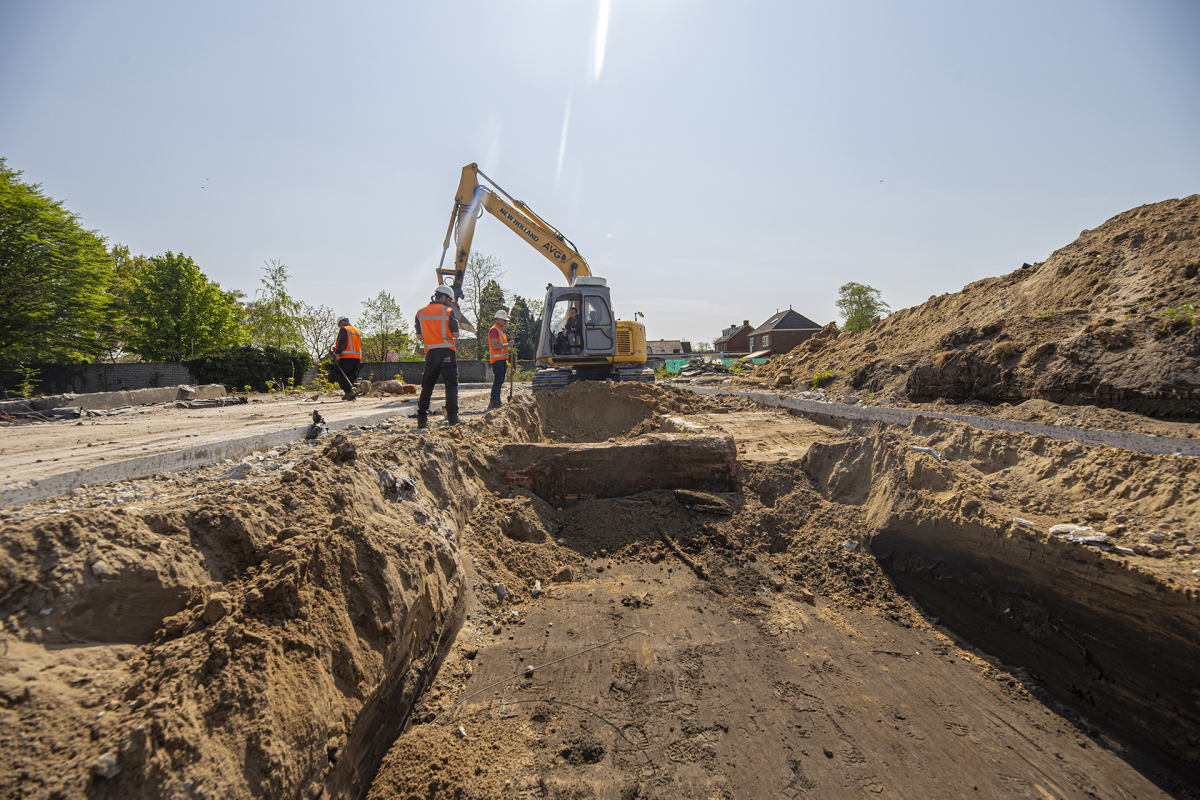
[271,320]
[385,331]
[318,330]
[481,270]
[53,277]
[116,332]
[174,309]
[702,347]
[520,329]
[859,304]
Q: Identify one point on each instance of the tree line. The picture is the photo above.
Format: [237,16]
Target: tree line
[67,296]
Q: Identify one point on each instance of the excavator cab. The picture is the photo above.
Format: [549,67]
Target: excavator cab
[581,339]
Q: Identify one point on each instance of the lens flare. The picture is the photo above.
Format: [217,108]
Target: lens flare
[562,144]
[601,39]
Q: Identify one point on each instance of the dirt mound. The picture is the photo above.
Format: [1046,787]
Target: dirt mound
[328,629]
[275,631]
[1106,321]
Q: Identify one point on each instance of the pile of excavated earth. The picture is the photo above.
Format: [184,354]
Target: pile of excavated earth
[1104,325]
[629,591]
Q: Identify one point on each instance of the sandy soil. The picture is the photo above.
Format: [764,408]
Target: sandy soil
[858,618]
[40,449]
[1103,322]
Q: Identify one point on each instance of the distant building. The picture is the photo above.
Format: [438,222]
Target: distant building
[733,339]
[781,333]
[668,347]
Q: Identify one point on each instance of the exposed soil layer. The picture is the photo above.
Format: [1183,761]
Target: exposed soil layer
[1105,322]
[361,623]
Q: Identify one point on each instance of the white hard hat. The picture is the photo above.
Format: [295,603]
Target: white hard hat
[446,290]
[502,314]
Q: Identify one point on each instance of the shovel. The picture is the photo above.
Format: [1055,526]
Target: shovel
[353,388]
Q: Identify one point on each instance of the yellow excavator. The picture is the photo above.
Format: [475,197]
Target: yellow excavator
[580,338]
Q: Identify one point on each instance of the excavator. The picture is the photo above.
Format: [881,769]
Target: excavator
[580,338]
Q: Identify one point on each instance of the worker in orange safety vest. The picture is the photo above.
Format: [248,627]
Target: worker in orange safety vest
[437,328]
[498,352]
[348,352]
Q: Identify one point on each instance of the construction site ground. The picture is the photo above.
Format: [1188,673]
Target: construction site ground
[389,614]
[30,451]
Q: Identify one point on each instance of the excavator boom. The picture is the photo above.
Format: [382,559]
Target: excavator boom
[472,199]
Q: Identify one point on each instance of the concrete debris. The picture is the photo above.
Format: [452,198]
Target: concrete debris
[537,589]
[849,546]
[928,450]
[1024,522]
[99,568]
[1067,528]
[500,589]
[105,765]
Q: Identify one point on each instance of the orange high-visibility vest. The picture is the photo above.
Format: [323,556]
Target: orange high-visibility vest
[353,343]
[435,326]
[497,353]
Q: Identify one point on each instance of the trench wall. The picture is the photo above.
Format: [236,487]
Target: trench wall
[1111,639]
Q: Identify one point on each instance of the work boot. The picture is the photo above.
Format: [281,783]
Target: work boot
[493,406]
[452,419]
[422,421]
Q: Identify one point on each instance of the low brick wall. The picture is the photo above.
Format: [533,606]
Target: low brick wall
[83,378]
[411,371]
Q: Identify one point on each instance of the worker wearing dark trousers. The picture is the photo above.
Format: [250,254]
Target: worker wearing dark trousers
[498,349]
[437,329]
[348,352]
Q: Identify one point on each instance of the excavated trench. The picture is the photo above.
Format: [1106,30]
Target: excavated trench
[767,620]
[667,534]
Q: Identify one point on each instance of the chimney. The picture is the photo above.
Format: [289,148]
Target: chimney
[745,322]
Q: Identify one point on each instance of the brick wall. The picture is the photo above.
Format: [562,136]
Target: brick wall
[411,371]
[80,378]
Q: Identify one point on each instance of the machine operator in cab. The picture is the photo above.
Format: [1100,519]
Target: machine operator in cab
[437,329]
[348,352]
[498,352]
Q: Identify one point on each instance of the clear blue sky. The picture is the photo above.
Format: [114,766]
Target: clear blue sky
[721,160]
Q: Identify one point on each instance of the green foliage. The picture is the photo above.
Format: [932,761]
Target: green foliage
[385,331]
[823,377]
[1185,314]
[250,367]
[318,329]
[53,277]
[116,332]
[491,300]
[272,320]
[859,304]
[702,347]
[522,329]
[28,387]
[482,271]
[1048,314]
[173,307]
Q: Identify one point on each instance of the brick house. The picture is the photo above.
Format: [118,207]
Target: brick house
[733,339]
[781,333]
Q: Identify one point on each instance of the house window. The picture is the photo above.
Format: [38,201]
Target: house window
[766,340]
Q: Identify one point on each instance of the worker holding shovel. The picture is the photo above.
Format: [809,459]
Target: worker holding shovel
[347,357]
[498,351]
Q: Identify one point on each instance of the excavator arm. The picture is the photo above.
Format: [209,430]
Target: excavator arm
[469,203]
